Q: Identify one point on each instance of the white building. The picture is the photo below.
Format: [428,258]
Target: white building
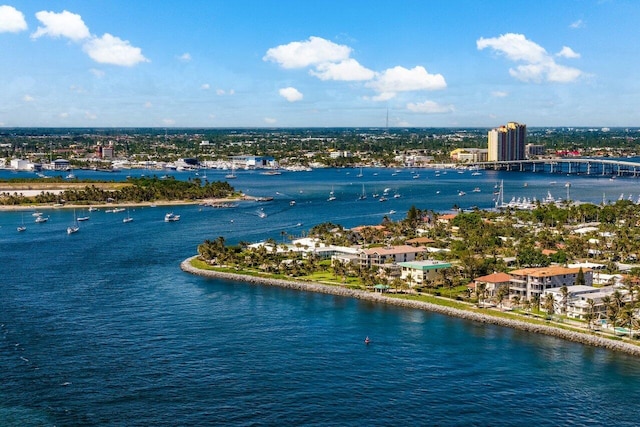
[21,165]
[421,272]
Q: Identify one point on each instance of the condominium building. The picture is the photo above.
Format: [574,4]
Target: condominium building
[507,142]
[529,282]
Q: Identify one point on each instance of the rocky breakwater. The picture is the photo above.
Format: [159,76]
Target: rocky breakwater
[579,337]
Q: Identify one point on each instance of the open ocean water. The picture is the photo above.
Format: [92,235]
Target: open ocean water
[103,328]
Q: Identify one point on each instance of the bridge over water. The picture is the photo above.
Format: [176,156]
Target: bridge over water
[582,166]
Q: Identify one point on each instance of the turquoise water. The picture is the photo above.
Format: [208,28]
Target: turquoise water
[102,328]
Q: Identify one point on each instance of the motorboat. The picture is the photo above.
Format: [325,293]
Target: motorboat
[171,217]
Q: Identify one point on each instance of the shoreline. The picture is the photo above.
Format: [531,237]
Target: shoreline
[573,336]
[158,203]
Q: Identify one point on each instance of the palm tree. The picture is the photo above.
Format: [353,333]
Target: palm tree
[589,316]
[564,291]
[535,300]
[549,304]
[481,292]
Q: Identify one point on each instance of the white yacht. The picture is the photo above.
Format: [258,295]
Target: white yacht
[171,217]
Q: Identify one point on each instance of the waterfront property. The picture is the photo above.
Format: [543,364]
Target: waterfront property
[581,300]
[388,254]
[492,282]
[422,272]
[532,282]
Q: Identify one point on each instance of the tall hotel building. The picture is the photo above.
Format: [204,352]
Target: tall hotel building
[507,142]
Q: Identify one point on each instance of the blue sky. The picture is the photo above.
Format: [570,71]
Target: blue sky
[241,63]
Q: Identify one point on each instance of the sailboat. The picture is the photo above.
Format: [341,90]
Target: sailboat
[127,218]
[360,174]
[22,227]
[74,228]
[332,196]
[363,195]
[231,175]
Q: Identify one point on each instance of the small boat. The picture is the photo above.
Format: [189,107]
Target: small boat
[127,218]
[73,228]
[476,190]
[92,209]
[382,199]
[171,217]
[83,218]
[461,193]
[367,340]
[292,203]
[36,214]
[231,175]
[262,214]
[360,174]
[362,196]
[391,212]
[22,227]
[42,219]
[332,196]
[396,196]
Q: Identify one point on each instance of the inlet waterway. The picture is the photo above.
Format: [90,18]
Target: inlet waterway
[101,327]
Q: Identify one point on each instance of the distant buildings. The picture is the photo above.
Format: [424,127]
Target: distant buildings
[469,155]
[507,142]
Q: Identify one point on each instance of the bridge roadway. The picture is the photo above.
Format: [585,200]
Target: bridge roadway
[588,166]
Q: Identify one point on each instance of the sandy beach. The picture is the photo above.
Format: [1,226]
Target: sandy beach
[203,202]
[580,337]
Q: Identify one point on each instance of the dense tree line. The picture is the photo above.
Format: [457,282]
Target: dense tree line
[135,190]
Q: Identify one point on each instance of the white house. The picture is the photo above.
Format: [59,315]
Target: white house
[420,272]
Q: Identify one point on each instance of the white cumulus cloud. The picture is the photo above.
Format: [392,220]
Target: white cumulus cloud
[429,107]
[109,49]
[347,70]
[291,94]
[205,86]
[499,94]
[538,65]
[516,47]
[63,24]
[567,52]
[185,57]
[28,98]
[400,79]
[11,20]
[329,61]
[302,54]
[270,120]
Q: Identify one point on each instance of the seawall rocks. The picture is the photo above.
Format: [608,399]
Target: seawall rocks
[583,338]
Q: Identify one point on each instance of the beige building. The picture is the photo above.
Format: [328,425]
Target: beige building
[528,282]
[391,254]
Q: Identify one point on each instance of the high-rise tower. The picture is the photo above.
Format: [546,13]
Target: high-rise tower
[507,142]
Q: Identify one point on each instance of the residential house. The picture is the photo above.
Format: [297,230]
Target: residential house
[420,272]
[492,282]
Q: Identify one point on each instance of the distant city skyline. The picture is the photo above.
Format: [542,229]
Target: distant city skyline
[286,63]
